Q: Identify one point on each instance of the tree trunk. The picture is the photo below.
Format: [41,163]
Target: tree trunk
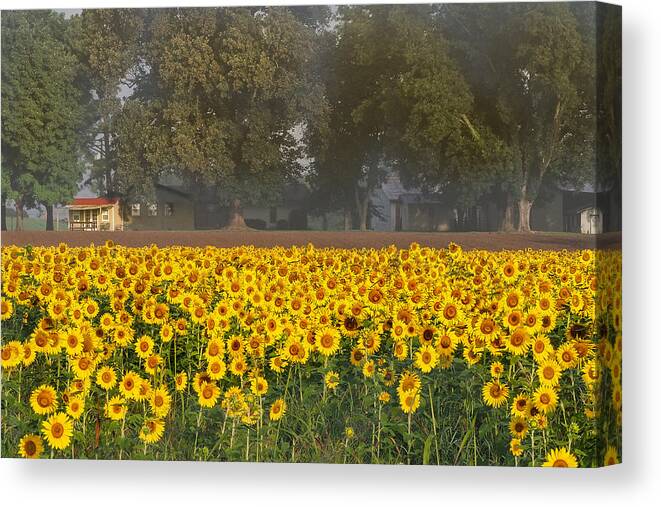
[507,224]
[19,215]
[525,205]
[324,221]
[49,217]
[3,214]
[362,206]
[236,216]
[347,218]
[108,169]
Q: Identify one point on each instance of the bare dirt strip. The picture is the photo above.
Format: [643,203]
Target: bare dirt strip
[338,239]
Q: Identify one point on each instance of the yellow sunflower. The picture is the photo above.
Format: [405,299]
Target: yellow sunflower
[610,457]
[216,368]
[160,401]
[518,341]
[495,394]
[515,447]
[259,386]
[560,458]
[518,427]
[545,399]
[180,381]
[208,394]
[43,400]
[31,447]
[332,380]
[152,430]
[278,409]
[566,356]
[549,373]
[328,341]
[106,378]
[75,406]
[409,401]
[426,358]
[116,408]
[57,430]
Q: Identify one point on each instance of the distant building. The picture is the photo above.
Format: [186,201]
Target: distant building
[95,214]
[176,206]
[179,207]
[171,210]
[395,208]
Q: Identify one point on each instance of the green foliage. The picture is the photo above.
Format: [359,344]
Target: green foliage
[532,74]
[43,109]
[107,43]
[401,102]
[221,96]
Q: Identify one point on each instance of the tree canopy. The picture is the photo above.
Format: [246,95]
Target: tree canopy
[475,102]
[43,110]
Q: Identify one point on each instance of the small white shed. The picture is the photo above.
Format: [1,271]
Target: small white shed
[592,220]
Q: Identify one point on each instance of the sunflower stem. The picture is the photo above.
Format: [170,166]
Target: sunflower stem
[433,420]
[197,431]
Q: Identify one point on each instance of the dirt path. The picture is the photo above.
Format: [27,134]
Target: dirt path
[468,240]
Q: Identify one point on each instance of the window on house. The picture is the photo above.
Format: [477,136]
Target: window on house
[135,210]
[75,216]
[273,214]
[168,211]
[152,209]
[105,215]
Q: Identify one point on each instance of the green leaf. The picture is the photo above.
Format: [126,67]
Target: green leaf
[427,449]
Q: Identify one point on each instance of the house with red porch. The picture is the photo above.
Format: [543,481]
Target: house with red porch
[95,214]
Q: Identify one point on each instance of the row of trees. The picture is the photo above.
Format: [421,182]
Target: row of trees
[482,102]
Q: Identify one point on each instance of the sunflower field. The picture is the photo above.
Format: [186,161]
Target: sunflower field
[304,354]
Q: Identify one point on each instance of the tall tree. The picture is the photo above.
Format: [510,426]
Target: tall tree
[348,148]
[108,43]
[532,71]
[223,98]
[396,101]
[43,112]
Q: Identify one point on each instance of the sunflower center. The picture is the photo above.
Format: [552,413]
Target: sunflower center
[351,323]
[549,372]
[517,339]
[327,341]
[560,463]
[57,430]
[30,448]
[44,400]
